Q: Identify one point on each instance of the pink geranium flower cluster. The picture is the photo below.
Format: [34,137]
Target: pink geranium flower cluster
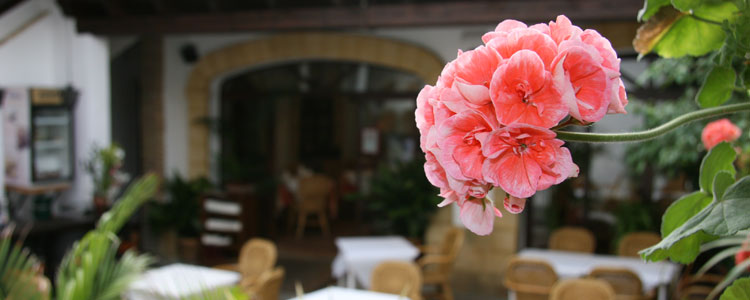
[719,131]
[486,122]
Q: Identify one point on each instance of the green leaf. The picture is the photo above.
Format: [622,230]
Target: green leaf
[722,181]
[717,88]
[720,158]
[690,36]
[686,5]
[650,7]
[733,274]
[739,290]
[676,215]
[723,217]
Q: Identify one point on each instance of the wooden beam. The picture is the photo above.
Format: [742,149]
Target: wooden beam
[411,14]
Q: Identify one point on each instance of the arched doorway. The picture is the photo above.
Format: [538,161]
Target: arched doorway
[284,48]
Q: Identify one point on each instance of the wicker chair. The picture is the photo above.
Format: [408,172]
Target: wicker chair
[574,239]
[626,284]
[437,263]
[267,286]
[697,287]
[579,289]
[313,194]
[633,242]
[530,279]
[257,256]
[397,277]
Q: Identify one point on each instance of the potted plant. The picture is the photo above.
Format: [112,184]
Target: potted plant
[104,166]
[178,213]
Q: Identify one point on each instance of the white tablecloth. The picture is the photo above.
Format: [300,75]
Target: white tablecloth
[177,281]
[358,256]
[572,264]
[339,293]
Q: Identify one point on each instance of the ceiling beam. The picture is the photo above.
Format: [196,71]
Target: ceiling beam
[410,14]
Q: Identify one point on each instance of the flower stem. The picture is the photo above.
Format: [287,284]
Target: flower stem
[654,132]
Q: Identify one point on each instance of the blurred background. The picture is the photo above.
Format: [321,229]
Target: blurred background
[236,103]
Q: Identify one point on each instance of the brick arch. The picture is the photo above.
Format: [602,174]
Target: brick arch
[285,47]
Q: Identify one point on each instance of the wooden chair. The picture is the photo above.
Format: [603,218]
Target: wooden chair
[257,256]
[574,239]
[313,194]
[633,242]
[579,289]
[437,263]
[267,286]
[397,277]
[626,284]
[697,287]
[530,279]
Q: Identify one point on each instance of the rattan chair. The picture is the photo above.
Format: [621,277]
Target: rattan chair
[313,193]
[267,286]
[530,279]
[257,256]
[580,289]
[397,277]
[574,239]
[437,263]
[626,284]
[633,242]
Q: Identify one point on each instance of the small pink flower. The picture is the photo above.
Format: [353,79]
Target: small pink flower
[514,205]
[474,71]
[525,39]
[719,131]
[460,140]
[523,159]
[502,30]
[522,92]
[478,215]
[424,114]
[562,29]
[579,74]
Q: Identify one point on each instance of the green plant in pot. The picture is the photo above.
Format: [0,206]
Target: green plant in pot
[104,165]
[179,212]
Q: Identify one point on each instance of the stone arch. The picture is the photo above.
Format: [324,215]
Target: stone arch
[285,47]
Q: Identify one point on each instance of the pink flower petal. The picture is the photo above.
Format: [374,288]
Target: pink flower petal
[514,205]
[478,216]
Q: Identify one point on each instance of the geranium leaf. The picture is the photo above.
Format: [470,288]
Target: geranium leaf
[723,217]
[650,7]
[717,88]
[720,158]
[739,290]
[676,215]
[722,181]
[686,5]
[671,33]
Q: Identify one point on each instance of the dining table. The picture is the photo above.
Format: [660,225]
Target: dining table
[358,256]
[179,281]
[653,275]
[341,293]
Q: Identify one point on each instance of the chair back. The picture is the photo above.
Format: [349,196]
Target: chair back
[269,284]
[625,283]
[530,279]
[633,242]
[451,246]
[574,239]
[314,191]
[257,255]
[579,289]
[397,277]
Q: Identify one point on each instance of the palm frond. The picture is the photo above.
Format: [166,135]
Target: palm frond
[91,269]
[18,269]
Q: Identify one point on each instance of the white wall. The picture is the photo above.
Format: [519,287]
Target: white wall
[51,53]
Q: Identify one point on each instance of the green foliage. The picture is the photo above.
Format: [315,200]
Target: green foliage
[180,210]
[739,290]
[401,200]
[633,217]
[91,270]
[103,165]
[650,7]
[17,270]
[717,88]
[720,158]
